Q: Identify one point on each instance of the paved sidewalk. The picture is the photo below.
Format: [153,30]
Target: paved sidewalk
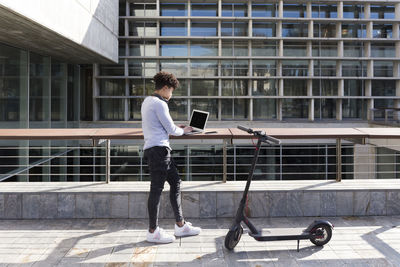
[356,241]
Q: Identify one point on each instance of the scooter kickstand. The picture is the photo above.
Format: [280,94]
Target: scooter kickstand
[298,243]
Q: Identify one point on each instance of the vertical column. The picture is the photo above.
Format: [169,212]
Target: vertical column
[396,63]
[311,101]
[367,54]
[340,93]
[279,105]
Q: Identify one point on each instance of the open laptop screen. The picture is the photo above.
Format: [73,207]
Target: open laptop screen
[198,119]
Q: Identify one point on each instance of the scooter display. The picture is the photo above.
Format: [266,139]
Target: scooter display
[318,232]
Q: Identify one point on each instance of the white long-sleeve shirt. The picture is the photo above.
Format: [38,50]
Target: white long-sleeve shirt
[157,123]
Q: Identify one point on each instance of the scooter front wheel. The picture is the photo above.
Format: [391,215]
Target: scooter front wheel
[232,238]
[321,234]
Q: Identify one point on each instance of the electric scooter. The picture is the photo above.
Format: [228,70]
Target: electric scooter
[319,232]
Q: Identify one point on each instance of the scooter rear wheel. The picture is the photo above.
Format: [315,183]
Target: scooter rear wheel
[232,238]
[321,234]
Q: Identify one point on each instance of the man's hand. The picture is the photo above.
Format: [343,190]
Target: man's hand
[182,126]
[187,129]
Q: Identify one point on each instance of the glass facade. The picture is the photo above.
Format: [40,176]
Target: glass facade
[269,52]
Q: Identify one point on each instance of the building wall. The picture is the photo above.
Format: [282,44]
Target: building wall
[92,24]
[255,61]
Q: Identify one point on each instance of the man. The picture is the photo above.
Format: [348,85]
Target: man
[157,125]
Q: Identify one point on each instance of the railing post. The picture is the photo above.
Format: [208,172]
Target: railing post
[338,160]
[108,161]
[224,161]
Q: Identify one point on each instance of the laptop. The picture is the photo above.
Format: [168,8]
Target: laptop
[198,121]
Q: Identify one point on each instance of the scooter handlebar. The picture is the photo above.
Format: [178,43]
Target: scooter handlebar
[245,129]
[267,137]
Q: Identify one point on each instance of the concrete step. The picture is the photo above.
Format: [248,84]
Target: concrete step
[210,199]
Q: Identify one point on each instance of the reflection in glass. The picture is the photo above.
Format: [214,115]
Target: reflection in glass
[178,108]
[382,12]
[58,91]
[113,69]
[39,88]
[383,50]
[263,10]
[324,30]
[354,31]
[264,48]
[324,49]
[324,68]
[234,28]
[234,109]
[210,105]
[295,87]
[173,29]
[203,29]
[383,68]
[111,109]
[264,109]
[204,87]
[353,49]
[264,68]
[353,12]
[235,48]
[13,80]
[142,48]
[382,31]
[294,10]
[294,29]
[324,11]
[296,49]
[204,9]
[178,67]
[295,108]
[324,108]
[173,49]
[354,68]
[325,87]
[234,88]
[134,106]
[204,48]
[265,87]
[204,68]
[112,87]
[294,68]
[142,28]
[383,88]
[173,9]
[265,29]
[234,10]
[354,109]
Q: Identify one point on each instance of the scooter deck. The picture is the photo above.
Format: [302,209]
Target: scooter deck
[281,234]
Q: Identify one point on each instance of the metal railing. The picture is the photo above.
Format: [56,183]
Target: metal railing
[218,159]
[385,116]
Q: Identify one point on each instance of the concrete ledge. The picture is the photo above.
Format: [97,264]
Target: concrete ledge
[200,199]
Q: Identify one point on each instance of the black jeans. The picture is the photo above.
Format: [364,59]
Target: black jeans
[162,168]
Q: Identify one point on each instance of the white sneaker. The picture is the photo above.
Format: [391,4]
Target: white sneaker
[187,230]
[160,236]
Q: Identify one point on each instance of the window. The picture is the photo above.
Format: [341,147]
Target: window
[204,29]
[173,29]
[173,9]
[265,29]
[234,10]
[173,49]
[140,28]
[294,30]
[234,29]
[263,10]
[294,10]
[204,87]
[204,9]
[204,48]
[264,68]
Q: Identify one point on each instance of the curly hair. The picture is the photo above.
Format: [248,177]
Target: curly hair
[165,78]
